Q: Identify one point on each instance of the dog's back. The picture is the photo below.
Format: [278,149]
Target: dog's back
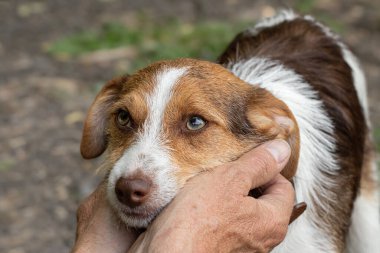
[302,63]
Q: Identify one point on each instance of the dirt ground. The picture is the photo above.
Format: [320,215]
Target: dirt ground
[43,101]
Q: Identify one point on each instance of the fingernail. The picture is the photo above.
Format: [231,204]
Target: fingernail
[279,149]
[298,209]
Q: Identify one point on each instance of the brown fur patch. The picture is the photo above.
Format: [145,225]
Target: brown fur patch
[233,109]
[120,93]
[264,112]
[230,107]
[94,140]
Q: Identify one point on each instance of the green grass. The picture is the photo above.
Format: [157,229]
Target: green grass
[309,7]
[6,165]
[167,40]
[304,6]
[111,35]
[334,24]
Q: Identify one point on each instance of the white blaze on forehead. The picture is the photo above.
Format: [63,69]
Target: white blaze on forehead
[149,153]
[157,101]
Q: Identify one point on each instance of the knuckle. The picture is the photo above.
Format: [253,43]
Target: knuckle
[281,216]
[277,235]
[235,172]
[289,195]
[242,178]
[241,175]
[290,189]
[264,162]
[281,227]
[237,177]
[277,227]
[287,188]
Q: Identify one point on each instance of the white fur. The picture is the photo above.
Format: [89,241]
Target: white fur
[282,16]
[359,80]
[364,232]
[314,163]
[365,226]
[149,154]
[365,220]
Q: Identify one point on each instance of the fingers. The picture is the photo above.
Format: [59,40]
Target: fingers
[279,195]
[260,165]
[275,207]
[281,192]
[86,208]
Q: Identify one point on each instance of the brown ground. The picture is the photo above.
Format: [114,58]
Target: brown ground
[43,101]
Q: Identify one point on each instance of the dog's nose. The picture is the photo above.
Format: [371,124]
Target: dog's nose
[132,191]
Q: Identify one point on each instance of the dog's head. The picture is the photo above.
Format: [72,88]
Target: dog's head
[172,120]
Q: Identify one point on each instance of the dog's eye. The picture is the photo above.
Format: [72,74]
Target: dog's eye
[124,119]
[195,123]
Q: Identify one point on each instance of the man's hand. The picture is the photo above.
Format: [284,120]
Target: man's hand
[98,228]
[212,213]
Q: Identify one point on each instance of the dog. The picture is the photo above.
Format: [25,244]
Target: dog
[289,77]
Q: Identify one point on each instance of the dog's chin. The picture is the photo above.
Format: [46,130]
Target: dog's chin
[137,219]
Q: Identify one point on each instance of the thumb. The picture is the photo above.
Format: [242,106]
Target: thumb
[260,165]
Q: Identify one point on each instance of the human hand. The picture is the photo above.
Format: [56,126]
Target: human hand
[98,228]
[213,212]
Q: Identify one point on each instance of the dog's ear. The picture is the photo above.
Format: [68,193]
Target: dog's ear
[272,119]
[94,139]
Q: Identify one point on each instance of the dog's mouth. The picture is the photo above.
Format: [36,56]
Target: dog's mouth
[139,217]
[140,214]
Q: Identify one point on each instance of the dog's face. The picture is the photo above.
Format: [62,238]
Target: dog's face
[172,120]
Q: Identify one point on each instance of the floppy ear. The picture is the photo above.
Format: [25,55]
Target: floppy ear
[272,119]
[94,139]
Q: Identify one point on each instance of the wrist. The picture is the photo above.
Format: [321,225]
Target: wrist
[175,238]
[182,238]
[96,246]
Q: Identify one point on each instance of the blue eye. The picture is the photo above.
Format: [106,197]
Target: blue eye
[195,123]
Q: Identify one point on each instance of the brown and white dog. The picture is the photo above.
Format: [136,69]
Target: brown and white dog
[288,77]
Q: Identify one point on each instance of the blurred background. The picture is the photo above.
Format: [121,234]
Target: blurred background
[54,57]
